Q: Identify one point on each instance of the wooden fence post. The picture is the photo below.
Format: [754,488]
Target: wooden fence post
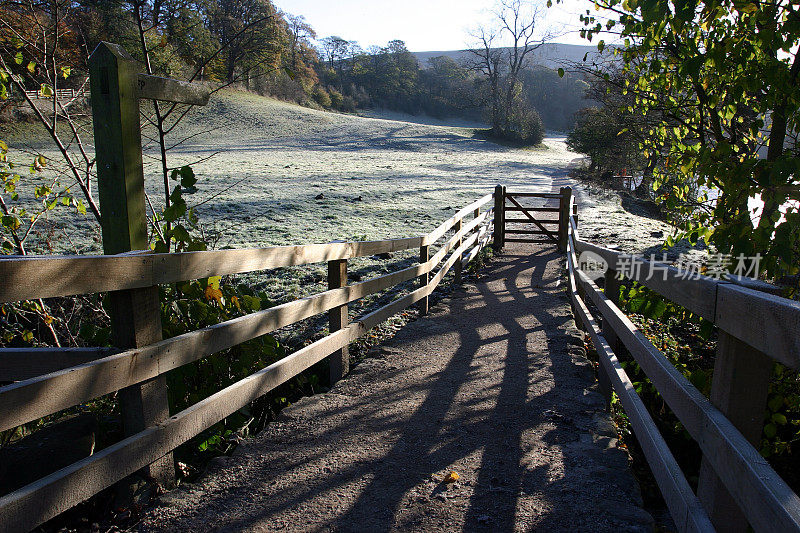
[337,319]
[135,314]
[458,266]
[739,389]
[563,217]
[611,289]
[424,256]
[499,215]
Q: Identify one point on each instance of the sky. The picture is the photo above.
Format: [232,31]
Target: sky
[424,25]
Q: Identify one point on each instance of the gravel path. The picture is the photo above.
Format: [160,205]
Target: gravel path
[492,385]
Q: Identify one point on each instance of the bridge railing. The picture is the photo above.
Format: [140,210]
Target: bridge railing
[737,486]
[63,384]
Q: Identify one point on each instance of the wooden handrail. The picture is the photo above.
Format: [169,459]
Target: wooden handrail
[685,508]
[772,325]
[765,499]
[448,224]
[26,278]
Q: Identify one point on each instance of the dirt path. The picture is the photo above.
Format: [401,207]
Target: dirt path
[493,385]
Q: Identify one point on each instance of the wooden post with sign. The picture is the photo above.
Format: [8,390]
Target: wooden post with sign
[116,87]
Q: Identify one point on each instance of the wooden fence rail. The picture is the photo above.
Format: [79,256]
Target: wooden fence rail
[737,485]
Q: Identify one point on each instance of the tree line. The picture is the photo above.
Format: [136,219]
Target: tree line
[254,44]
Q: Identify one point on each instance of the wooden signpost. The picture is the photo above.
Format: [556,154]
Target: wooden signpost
[116,88]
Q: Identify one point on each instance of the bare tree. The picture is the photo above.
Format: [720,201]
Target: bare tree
[487,60]
[514,26]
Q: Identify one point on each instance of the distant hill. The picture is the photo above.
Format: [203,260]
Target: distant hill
[550,55]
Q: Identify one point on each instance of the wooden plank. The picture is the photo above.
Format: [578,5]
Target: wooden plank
[686,510]
[24,509]
[17,364]
[530,232]
[455,239]
[337,319]
[458,265]
[532,219]
[528,221]
[769,504]
[696,293]
[573,223]
[169,90]
[768,323]
[739,390]
[50,276]
[534,209]
[135,313]
[448,224]
[37,397]
[533,194]
[531,241]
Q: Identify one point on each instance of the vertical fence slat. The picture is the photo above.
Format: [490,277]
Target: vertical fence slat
[424,256]
[499,223]
[563,217]
[458,266]
[136,313]
[337,318]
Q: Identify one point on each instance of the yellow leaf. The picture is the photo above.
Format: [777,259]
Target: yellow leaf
[452,477]
[213,281]
[213,294]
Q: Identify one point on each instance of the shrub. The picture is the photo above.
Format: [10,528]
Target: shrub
[524,124]
[321,96]
[336,98]
[348,104]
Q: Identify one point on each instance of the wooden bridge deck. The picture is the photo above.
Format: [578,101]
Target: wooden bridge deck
[493,385]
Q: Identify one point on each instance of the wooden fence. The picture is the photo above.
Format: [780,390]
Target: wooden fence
[59,93]
[63,384]
[737,486]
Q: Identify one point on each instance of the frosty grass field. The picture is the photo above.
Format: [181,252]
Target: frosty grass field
[263,164]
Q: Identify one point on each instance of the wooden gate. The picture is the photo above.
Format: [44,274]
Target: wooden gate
[544,230]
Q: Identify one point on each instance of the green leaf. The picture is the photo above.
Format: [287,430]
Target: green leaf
[11,222]
[187,177]
[18,58]
[175,211]
[779,419]
[46,90]
[560,72]
[770,430]
[775,403]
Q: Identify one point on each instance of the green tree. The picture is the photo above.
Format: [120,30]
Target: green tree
[724,73]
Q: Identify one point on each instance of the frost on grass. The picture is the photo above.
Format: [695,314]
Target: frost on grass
[264,163]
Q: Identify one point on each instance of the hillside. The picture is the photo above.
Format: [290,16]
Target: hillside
[550,55]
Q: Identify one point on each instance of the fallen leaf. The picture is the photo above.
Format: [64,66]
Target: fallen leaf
[452,477]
